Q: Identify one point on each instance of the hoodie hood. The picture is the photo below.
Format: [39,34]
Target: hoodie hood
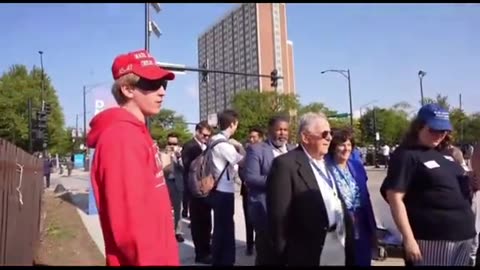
[109,118]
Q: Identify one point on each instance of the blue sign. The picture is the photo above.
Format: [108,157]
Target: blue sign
[78,160]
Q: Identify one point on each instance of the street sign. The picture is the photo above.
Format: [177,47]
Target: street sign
[377,136]
[339,115]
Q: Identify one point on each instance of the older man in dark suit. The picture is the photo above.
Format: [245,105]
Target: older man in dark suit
[257,166]
[306,216]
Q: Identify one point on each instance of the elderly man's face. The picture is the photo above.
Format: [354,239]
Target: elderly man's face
[318,137]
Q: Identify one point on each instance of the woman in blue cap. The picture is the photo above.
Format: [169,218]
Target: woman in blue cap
[423,189]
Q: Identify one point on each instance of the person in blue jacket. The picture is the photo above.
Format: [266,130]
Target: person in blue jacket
[351,179]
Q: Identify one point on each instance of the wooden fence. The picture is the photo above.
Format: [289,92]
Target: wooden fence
[21,190]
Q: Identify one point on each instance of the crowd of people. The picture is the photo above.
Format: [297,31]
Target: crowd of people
[305,205]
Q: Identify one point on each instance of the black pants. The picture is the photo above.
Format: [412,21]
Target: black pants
[185,200]
[201,225]
[223,242]
[248,223]
[264,248]
[47,180]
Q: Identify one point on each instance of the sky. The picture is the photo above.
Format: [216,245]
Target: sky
[383,45]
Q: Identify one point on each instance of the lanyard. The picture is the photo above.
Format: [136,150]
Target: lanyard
[325,177]
[341,173]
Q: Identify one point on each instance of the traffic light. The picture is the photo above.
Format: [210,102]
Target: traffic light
[47,108]
[274,78]
[42,120]
[205,73]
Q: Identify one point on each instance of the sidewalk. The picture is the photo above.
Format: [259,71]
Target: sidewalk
[78,184]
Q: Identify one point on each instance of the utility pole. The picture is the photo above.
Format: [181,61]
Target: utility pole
[421,74]
[147,27]
[350,98]
[30,126]
[374,114]
[76,126]
[346,74]
[85,158]
[150,26]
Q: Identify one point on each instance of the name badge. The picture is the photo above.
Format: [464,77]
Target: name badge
[431,164]
[449,158]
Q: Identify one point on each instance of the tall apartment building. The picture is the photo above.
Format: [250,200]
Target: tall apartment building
[252,38]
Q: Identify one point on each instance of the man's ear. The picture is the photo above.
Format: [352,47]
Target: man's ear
[127,91]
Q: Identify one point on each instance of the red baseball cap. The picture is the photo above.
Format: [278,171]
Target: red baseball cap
[140,63]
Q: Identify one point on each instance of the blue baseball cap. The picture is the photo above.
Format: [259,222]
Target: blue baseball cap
[435,117]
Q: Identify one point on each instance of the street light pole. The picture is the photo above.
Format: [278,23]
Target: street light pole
[42,94]
[147,27]
[350,98]
[346,74]
[421,74]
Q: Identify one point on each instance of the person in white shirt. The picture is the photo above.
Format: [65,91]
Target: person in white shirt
[307,219]
[386,154]
[225,159]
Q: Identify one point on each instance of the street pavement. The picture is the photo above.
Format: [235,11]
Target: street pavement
[78,184]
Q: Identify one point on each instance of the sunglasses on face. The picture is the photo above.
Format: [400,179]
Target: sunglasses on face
[172,144]
[151,85]
[437,132]
[325,134]
[205,135]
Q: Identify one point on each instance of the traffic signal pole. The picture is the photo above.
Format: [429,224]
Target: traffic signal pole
[205,71]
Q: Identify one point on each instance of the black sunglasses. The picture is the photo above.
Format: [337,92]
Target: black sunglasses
[151,85]
[433,131]
[172,144]
[322,135]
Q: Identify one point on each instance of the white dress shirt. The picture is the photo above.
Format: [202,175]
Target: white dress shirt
[333,252]
[221,154]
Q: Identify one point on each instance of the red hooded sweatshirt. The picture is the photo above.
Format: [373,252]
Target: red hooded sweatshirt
[130,191]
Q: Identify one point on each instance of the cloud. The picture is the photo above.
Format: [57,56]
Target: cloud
[192,91]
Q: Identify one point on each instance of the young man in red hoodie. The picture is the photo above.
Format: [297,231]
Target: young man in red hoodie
[130,191]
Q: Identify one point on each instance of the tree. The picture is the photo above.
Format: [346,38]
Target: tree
[169,121]
[256,108]
[391,125]
[440,100]
[17,85]
[472,129]
[315,107]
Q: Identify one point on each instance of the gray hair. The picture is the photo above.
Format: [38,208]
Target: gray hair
[308,120]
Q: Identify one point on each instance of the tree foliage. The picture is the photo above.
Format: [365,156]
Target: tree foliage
[169,121]
[17,85]
[391,125]
[256,108]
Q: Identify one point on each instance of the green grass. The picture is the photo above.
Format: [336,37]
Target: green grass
[57,232]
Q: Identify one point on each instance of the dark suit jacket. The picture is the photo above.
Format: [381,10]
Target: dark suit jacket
[258,161]
[190,151]
[297,217]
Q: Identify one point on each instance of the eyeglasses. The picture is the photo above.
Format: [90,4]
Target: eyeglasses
[433,131]
[322,135]
[151,85]
[172,144]
[205,135]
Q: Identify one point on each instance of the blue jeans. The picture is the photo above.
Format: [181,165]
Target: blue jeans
[223,242]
